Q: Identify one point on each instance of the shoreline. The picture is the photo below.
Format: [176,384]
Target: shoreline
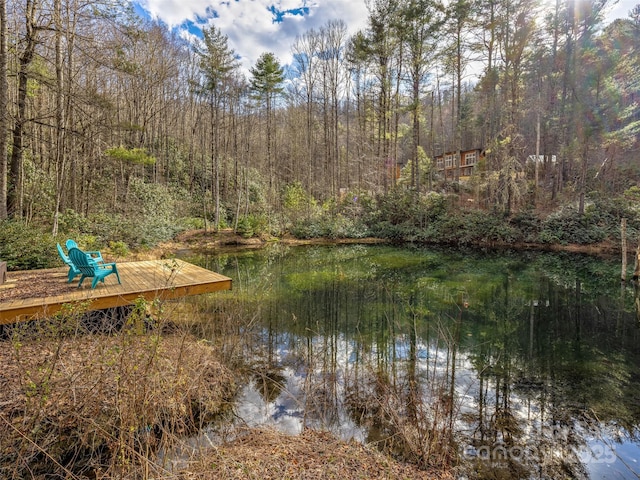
[200,240]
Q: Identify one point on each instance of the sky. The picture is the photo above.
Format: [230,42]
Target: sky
[258,26]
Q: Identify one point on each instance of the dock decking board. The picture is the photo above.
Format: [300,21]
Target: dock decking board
[151,279]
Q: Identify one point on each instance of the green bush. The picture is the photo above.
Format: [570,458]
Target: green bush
[527,224]
[25,247]
[569,226]
[485,228]
[137,231]
[399,206]
[330,226]
[73,222]
[193,223]
[119,248]
[253,225]
[245,227]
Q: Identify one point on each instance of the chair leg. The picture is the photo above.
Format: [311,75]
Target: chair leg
[81,280]
[115,270]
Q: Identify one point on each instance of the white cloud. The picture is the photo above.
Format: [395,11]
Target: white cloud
[252,29]
[251,26]
[621,8]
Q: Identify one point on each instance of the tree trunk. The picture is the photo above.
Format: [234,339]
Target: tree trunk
[14,191]
[623,235]
[4,117]
[59,159]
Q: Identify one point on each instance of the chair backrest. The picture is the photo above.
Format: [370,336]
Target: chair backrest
[71,244]
[63,255]
[82,262]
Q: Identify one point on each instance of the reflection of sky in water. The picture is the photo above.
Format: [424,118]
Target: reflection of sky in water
[284,413]
[602,457]
[287,412]
[611,459]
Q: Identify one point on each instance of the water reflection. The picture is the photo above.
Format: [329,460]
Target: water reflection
[510,365]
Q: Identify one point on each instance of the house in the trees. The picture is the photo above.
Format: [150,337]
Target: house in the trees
[447,163]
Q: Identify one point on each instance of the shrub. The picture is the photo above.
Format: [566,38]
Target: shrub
[119,248]
[73,222]
[527,224]
[569,226]
[330,226]
[486,228]
[25,247]
[109,408]
[253,225]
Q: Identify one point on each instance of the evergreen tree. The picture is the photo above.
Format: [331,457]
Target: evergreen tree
[217,62]
[266,84]
[422,21]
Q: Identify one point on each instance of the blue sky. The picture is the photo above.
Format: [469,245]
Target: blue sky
[258,26]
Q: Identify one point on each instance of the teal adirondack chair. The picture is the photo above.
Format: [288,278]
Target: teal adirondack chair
[90,268]
[73,270]
[97,256]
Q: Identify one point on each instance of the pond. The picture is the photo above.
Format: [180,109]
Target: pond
[508,365]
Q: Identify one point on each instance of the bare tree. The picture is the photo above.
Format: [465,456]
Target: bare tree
[26,56]
[4,113]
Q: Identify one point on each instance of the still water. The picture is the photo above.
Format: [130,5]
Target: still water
[508,365]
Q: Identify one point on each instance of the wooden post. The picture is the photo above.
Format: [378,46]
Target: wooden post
[623,235]
[3,272]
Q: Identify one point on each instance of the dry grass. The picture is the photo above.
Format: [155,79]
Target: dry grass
[73,403]
[266,454]
[80,405]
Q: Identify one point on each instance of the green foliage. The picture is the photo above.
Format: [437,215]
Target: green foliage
[425,166]
[296,199]
[39,190]
[398,206]
[72,222]
[569,226]
[403,214]
[267,76]
[152,215]
[151,199]
[25,247]
[137,156]
[245,228]
[331,226]
[253,225]
[486,228]
[136,231]
[633,194]
[88,242]
[119,248]
[193,223]
[216,61]
[527,224]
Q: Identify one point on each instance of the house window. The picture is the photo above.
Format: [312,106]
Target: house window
[471,158]
[440,162]
[448,161]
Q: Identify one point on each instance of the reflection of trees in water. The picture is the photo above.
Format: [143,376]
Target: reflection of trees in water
[270,382]
[516,375]
[533,410]
[402,393]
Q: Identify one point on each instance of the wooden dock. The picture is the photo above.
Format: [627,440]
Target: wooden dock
[153,279]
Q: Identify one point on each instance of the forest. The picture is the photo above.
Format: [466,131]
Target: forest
[123,131]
